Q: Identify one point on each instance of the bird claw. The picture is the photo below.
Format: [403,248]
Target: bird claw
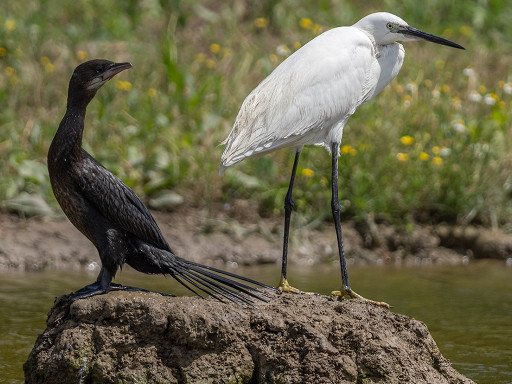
[96,289]
[284,286]
[353,295]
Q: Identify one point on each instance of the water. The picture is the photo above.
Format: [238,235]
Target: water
[468,309]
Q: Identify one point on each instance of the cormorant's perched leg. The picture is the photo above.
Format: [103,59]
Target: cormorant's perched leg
[288,206]
[103,284]
[335,206]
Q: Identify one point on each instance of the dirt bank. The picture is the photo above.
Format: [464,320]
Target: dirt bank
[38,244]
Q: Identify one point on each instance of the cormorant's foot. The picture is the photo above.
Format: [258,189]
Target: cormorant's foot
[95,289]
[88,291]
[119,287]
[353,295]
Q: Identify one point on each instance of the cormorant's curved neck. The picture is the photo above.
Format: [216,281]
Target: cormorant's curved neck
[68,139]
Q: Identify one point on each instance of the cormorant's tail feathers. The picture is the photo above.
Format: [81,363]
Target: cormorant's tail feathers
[204,269]
[217,283]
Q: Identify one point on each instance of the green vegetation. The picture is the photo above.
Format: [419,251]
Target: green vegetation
[433,146]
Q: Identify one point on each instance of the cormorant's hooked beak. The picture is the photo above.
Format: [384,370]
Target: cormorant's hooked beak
[410,31]
[109,73]
[114,69]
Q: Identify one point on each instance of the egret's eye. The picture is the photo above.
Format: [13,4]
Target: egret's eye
[389,25]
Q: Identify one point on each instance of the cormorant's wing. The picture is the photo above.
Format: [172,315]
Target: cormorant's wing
[117,202]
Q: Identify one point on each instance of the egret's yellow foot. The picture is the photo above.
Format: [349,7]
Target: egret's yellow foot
[284,286]
[354,295]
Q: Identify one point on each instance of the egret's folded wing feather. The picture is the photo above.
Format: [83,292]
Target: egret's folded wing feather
[316,88]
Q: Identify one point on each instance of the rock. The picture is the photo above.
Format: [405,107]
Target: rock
[126,337]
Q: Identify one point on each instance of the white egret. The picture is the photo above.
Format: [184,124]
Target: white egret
[310,96]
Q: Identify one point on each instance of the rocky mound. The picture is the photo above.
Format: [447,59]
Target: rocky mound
[128,337]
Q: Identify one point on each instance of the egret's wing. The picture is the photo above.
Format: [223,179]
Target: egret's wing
[117,202]
[316,88]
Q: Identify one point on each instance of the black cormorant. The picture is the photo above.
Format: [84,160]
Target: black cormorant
[111,215]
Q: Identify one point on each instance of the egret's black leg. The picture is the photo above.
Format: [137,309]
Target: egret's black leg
[336,209]
[288,206]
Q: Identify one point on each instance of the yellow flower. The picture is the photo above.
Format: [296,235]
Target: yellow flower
[501,83]
[49,68]
[296,45]
[215,48]
[407,140]
[151,92]
[317,29]
[445,88]
[437,160]
[306,172]
[44,60]
[10,71]
[9,25]
[482,89]
[428,83]
[424,156]
[502,104]
[123,85]
[211,63]
[305,23]
[260,22]
[399,88]
[465,30]
[273,58]
[436,150]
[200,57]
[345,149]
[448,32]
[402,156]
[226,52]
[439,64]
[3,51]
[81,55]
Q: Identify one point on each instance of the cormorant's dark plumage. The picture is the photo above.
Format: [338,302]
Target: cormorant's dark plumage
[109,213]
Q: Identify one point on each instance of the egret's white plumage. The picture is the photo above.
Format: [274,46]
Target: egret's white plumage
[310,96]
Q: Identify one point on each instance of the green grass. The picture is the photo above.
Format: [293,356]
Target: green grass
[158,125]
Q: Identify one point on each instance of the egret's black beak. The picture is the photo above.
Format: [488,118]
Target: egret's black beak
[114,69]
[427,36]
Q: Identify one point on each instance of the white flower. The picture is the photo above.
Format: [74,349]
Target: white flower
[459,126]
[445,151]
[468,72]
[507,88]
[489,100]
[475,96]
[412,87]
[283,50]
